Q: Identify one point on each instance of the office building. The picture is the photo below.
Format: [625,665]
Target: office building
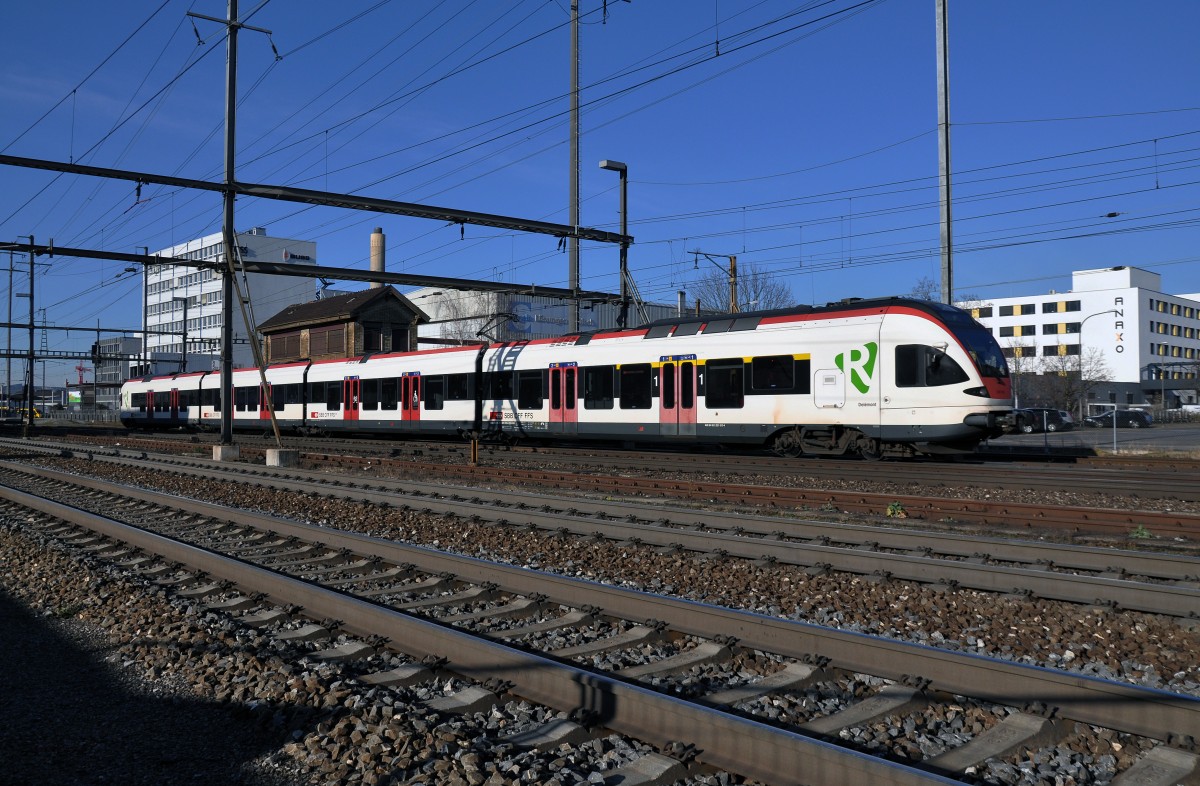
[1116,318]
[172,292]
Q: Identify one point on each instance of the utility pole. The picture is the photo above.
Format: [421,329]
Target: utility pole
[8,344]
[943,82]
[232,25]
[733,300]
[732,271]
[29,412]
[573,252]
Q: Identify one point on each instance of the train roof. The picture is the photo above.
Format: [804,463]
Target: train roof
[750,320]
[689,325]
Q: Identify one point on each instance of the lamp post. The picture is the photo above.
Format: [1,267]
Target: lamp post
[1081,381]
[623,172]
[183,354]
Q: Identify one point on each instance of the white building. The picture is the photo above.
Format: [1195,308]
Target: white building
[166,287]
[457,316]
[1149,340]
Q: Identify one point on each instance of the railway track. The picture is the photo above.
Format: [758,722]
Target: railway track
[1142,581]
[1146,478]
[505,624]
[1028,518]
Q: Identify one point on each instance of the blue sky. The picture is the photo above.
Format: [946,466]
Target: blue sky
[807,146]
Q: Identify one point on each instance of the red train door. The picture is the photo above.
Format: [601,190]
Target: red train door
[677,397]
[564,398]
[149,403]
[174,403]
[351,397]
[264,401]
[410,398]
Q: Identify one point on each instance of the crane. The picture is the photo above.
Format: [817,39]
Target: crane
[81,368]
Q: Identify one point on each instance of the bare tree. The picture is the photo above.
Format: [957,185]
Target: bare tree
[757,289]
[465,317]
[1022,367]
[1070,378]
[929,288]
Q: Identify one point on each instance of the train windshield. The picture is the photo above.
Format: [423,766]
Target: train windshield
[978,340]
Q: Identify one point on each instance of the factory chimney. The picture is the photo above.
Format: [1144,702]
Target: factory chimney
[378,251]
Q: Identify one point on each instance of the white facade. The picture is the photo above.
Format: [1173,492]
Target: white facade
[1149,340]
[165,287]
[456,316]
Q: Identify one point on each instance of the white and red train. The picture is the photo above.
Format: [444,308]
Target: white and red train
[869,376]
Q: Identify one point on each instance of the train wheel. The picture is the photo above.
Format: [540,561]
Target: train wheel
[788,445]
[870,449]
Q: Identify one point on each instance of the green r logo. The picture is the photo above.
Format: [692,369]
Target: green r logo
[861,365]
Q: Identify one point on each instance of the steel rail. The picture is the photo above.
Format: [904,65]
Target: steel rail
[1148,483]
[741,745]
[1155,565]
[1169,599]
[1125,707]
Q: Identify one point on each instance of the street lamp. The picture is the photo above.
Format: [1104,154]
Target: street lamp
[1081,390]
[183,354]
[623,172]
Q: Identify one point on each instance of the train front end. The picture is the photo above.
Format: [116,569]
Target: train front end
[951,388]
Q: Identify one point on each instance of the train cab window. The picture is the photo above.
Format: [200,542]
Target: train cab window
[724,384]
[435,391]
[636,383]
[389,397]
[529,389]
[773,374]
[370,394]
[598,387]
[922,366]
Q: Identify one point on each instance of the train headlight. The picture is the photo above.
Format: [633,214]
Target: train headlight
[980,391]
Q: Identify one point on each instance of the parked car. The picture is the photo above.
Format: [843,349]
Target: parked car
[1126,418]
[1054,419]
[1042,418]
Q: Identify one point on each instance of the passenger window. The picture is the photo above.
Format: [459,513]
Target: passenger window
[775,373]
[333,395]
[500,385]
[635,386]
[724,387]
[598,387]
[388,396]
[529,390]
[435,392]
[370,394]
